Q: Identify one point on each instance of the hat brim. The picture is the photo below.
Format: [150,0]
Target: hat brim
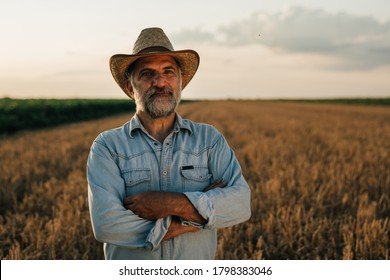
[119,63]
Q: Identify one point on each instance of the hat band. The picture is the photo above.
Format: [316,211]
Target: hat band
[153,50]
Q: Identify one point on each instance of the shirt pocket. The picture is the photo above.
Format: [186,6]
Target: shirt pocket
[137,180]
[195,178]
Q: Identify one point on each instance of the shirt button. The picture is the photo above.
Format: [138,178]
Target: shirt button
[165,173]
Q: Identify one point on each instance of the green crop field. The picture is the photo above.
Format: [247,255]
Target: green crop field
[18,114]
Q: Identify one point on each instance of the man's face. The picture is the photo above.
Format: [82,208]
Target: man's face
[156,82]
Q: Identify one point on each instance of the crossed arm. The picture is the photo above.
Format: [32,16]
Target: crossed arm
[154,205]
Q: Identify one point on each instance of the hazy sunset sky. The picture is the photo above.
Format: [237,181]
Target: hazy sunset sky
[248,49]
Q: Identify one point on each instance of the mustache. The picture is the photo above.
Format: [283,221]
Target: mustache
[158,90]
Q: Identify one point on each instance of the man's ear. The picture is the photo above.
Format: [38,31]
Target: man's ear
[130,90]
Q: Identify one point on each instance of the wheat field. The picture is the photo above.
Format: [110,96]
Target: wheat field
[319,176]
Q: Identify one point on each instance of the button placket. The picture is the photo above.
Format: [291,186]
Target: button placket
[166,163]
[166,160]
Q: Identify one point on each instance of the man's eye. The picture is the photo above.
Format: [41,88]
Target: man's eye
[169,72]
[146,74]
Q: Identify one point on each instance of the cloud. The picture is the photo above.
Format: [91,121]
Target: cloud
[193,35]
[78,73]
[358,42]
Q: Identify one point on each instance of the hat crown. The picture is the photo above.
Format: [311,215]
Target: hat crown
[151,40]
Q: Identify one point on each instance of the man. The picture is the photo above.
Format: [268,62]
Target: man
[160,186]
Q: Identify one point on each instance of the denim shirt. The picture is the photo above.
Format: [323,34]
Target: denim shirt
[127,161]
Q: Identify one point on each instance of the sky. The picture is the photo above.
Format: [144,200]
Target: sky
[264,49]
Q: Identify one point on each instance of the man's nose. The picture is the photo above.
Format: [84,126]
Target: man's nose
[159,80]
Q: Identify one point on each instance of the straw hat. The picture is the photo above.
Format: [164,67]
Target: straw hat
[150,42]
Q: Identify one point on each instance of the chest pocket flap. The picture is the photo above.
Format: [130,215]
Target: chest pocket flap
[136,176]
[195,173]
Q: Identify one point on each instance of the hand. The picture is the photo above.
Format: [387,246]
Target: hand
[214,186]
[176,228]
[150,205]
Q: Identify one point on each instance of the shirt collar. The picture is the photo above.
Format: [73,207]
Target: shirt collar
[180,124]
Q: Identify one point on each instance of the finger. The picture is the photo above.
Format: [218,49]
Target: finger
[128,203]
[215,185]
[127,200]
[129,207]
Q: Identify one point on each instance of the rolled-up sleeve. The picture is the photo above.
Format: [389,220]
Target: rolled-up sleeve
[111,221]
[223,207]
